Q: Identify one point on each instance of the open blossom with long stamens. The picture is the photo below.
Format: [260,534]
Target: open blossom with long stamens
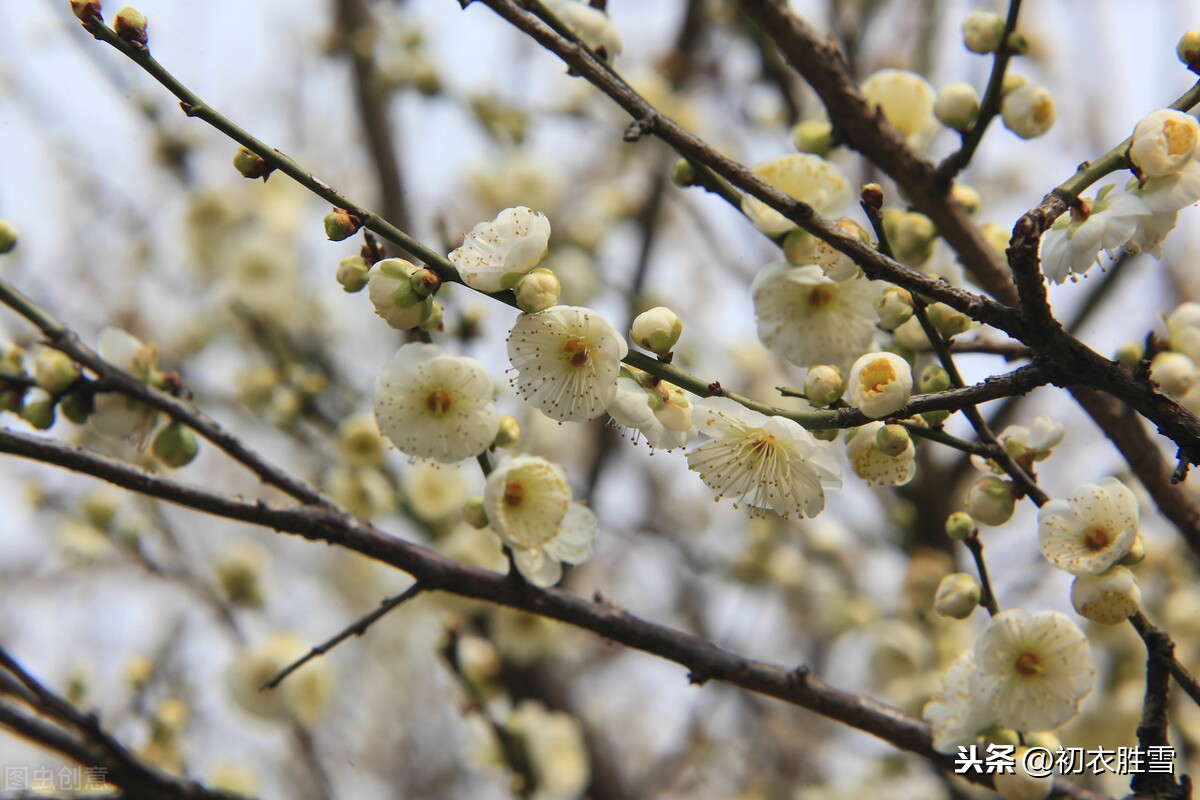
[494,255]
[765,462]
[567,361]
[1032,670]
[434,405]
[657,410]
[1074,242]
[808,318]
[528,503]
[1091,530]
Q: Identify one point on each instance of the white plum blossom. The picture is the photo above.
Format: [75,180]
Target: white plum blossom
[494,255]
[116,415]
[591,25]
[434,405]
[804,176]
[567,361]
[808,318]
[529,506]
[391,290]
[658,410]
[1091,530]
[1164,196]
[1164,141]
[1032,670]
[906,100]
[1073,243]
[1028,111]
[879,384]
[875,466]
[763,461]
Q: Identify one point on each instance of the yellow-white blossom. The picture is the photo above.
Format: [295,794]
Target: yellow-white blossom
[956,105]
[115,415]
[1032,670]
[494,255]
[983,31]
[765,462]
[657,330]
[434,405]
[567,361]
[591,25]
[303,696]
[804,176]
[528,503]
[1164,141]
[1028,111]
[1091,530]
[906,100]
[954,716]
[957,596]
[879,384]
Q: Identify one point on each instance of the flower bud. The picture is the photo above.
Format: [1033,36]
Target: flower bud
[76,407]
[1017,43]
[433,319]
[813,136]
[934,378]
[1164,142]
[825,434]
[683,174]
[1028,111]
[352,273]
[1129,354]
[508,433]
[656,330]
[130,25]
[176,445]
[390,289]
[824,385]
[894,308]
[425,282]
[880,384]
[8,236]
[239,576]
[959,525]
[956,105]
[1020,784]
[983,31]
[911,235]
[250,164]
[957,596]
[86,10]
[967,197]
[474,513]
[53,370]
[949,321]
[1188,50]
[991,501]
[537,290]
[341,224]
[1011,83]
[892,440]
[800,247]
[872,195]
[38,409]
[1046,739]
[1174,373]
[1108,598]
[1136,553]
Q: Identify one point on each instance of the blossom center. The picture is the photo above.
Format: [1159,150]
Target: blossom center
[514,493]
[576,350]
[1028,665]
[438,402]
[1096,539]
[1180,138]
[876,375]
[820,297]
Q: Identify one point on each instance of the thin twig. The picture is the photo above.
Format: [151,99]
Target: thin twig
[987,596]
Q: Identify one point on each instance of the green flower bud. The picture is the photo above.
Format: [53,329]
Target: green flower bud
[959,525]
[957,596]
[508,434]
[38,409]
[894,308]
[53,370]
[949,321]
[934,418]
[991,501]
[425,282]
[800,246]
[1130,354]
[656,330]
[352,273]
[250,164]
[176,445]
[683,174]
[432,320]
[537,290]
[892,440]
[933,378]
[76,406]
[813,136]
[474,513]
[1006,736]
[1046,739]
[1017,44]
[967,197]
[956,105]
[130,25]
[911,235]
[824,385]
[341,224]
[1188,50]
[8,236]
[825,434]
